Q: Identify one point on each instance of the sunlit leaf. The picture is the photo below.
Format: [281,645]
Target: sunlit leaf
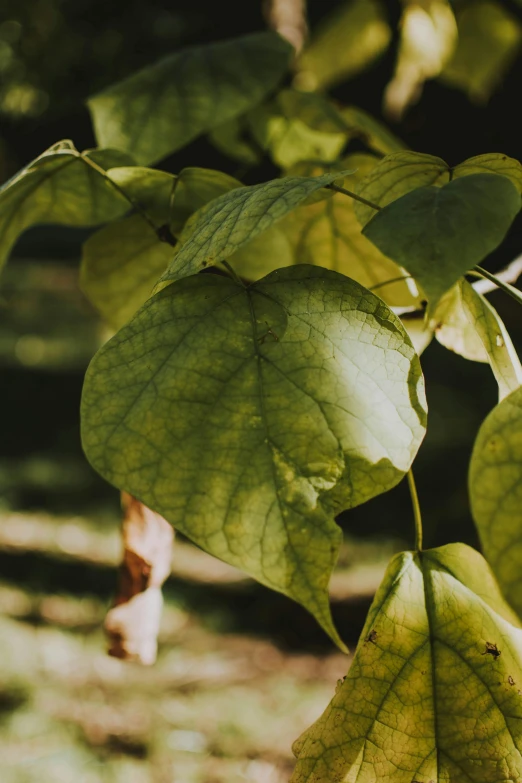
[322,114]
[347,41]
[248,417]
[396,175]
[289,140]
[149,189]
[466,323]
[428,34]
[229,222]
[488,42]
[418,330]
[495,486]
[161,108]
[61,186]
[328,234]
[438,234]
[434,690]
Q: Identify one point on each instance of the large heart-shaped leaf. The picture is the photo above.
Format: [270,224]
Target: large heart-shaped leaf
[248,417]
[161,108]
[229,222]
[61,186]
[495,486]
[434,690]
[439,234]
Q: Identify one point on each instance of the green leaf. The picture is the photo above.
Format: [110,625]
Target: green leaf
[465,322]
[396,175]
[196,187]
[373,133]
[495,487]
[163,107]
[229,222]
[123,261]
[346,42]
[120,266]
[418,331]
[488,42]
[423,701]
[149,189]
[438,234]
[249,417]
[328,234]
[61,186]
[230,138]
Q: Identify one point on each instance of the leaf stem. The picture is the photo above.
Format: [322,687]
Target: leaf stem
[509,289]
[416,511]
[353,195]
[233,274]
[389,282]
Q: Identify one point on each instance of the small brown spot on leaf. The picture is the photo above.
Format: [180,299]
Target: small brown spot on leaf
[492,649]
[511,680]
[372,636]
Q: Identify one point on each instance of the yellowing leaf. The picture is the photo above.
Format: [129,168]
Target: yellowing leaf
[491,163]
[489,38]
[395,176]
[161,108]
[328,234]
[469,325]
[60,186]
[428,37]
[249,417]
[434,690]
[346,42]
[121,264]
[495,486]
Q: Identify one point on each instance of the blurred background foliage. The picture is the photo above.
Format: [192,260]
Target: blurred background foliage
[242,670]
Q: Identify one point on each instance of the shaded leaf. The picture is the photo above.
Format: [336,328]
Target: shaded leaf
[495,487]
[231,138]
[438,234]
[372,132]
[466,323]
[123,261]
[61,186]
[423,700]
[396,175]
[346,42]
[149,189]
[161,108]
[229,222]
[120,266]
[328,234]
[428,35]
[488,42]
[249,417]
